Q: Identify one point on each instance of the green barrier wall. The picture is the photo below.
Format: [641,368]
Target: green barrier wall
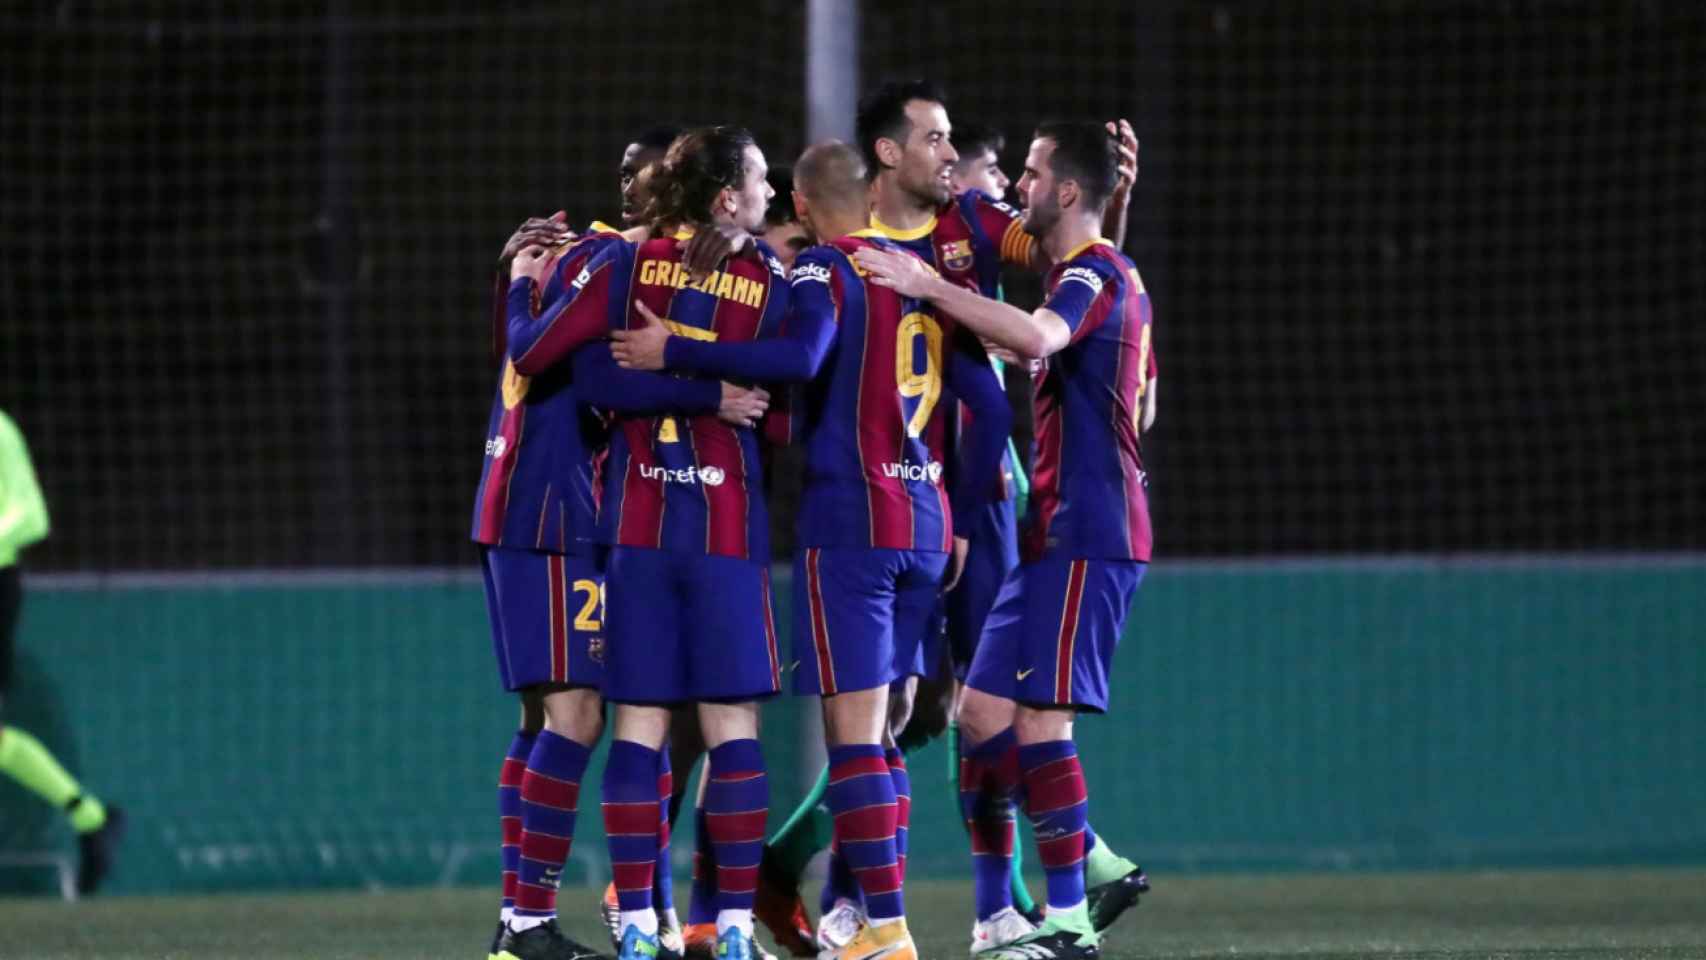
[302,734]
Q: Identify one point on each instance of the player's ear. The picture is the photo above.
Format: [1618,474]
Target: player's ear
[888,151]
[799,205]
[726,202]
[1066,192]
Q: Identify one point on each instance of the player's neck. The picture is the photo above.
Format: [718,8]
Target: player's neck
[1070,234]
[840,225]
[896,208]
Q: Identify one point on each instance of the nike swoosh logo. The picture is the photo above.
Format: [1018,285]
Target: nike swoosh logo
[1025,673]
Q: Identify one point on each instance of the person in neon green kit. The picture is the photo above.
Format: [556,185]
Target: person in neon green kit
[23,521]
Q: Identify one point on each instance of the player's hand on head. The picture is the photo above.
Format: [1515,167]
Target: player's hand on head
[903,273]
[1128,156]
[641,347]
[549,231]
[531,261]
[956,564]
[742,406]
[710,246]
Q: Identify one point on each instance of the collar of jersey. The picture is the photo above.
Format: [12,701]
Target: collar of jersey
[599,226]
[1075,251]
[869,232]
[683,233]
[895,233]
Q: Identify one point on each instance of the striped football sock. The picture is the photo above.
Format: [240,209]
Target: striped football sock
[630,805]
[902,804]
[861,795]
[737,803]
[509,813]
[550,793]
[1058,805]
[989,777]
[663,879]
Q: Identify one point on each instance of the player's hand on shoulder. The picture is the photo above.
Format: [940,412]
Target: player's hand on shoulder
[710,246]
[742,406]
[552,231]
[901,272]
[641,347]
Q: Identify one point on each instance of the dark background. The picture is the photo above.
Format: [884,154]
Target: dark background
[1427,276]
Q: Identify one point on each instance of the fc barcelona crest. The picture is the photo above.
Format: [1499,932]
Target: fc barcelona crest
[956,256]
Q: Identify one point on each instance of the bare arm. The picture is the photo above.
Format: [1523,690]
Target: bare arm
[1039,334]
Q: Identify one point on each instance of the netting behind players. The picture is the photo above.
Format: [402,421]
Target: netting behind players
[1426,276]
[247,252]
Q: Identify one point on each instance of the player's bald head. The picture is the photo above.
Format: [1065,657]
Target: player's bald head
[831,176]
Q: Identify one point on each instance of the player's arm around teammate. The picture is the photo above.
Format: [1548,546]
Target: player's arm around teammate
[1089,540]
[689,615]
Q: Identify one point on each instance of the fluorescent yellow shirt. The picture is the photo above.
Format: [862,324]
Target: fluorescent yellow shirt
[23,513]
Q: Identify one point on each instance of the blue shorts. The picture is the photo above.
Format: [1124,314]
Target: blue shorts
[860,615]
[1051,643]
[688,627]
[545,610]
[992,562]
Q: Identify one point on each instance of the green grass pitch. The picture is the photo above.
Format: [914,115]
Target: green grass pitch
[1582,915]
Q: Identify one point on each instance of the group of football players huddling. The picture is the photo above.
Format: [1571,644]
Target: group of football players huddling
[650,372]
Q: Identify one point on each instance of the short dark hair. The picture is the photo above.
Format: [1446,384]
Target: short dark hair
[780,210]
[882,113]
[699,165]
[658,137]
[1086,153]
[972,139]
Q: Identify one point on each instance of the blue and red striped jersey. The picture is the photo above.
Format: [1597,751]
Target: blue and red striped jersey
[673,482]
[874,467]
[536,483]
[967,241]
[1088,492]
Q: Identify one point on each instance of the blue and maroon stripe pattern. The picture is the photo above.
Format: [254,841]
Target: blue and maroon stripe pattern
[874,469]
[902,804]
[989,779]
[630,806]
[1058,804]
[550,794]
[1088,488]
[861,796]
[968,240]
[536,481]
[821,643]
[509,810]
[737,804]
[689,484]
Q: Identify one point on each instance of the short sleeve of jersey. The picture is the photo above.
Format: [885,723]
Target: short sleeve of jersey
[1003,224]
[1082,295]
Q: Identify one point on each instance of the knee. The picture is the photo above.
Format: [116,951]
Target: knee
[576,715]
[1042,726]
[982,716]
